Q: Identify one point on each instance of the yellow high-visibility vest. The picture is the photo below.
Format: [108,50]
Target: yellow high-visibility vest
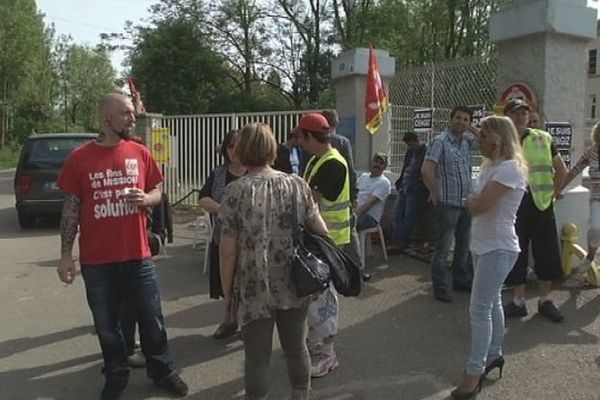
[537,151]
[335,213]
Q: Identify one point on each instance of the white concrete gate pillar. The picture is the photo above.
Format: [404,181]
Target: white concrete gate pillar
[349,70]
[543,44]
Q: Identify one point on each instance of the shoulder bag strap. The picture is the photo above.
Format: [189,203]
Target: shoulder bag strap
[295,220]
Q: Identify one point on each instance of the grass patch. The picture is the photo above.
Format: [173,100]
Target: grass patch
[9,155]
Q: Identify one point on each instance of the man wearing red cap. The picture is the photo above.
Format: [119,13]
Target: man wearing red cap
[327,176]
[535,218]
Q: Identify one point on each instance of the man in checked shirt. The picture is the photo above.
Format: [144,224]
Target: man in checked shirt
[446,172]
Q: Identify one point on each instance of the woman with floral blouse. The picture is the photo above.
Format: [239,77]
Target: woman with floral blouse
[256,253]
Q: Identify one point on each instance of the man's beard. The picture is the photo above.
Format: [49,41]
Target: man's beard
[125,133]
[458,130]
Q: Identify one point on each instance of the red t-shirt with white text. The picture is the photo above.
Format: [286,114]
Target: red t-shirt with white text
[111,231]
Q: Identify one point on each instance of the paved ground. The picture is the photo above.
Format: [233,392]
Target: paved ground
[396,341]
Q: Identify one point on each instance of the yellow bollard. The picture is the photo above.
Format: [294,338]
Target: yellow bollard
[570,248]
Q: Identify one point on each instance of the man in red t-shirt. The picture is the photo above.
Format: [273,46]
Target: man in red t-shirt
[109,183]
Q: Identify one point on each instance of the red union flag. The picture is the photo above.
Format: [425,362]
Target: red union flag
[376,100]
[136,99]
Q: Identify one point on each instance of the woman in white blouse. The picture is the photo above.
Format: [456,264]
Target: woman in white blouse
[494,246]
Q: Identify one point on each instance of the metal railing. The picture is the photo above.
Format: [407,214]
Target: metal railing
[195,141]
[440,86]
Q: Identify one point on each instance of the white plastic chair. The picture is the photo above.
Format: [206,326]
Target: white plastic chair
[364,238]
[203,231]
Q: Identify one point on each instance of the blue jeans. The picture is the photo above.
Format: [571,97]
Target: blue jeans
[109,287]
[365,221]
[352,248]
[409,206]
[451,221]
[487,317]
[127,320]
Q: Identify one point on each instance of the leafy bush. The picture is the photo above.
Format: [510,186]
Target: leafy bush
[9,155]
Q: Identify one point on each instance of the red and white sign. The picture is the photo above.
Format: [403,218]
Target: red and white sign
[514,91]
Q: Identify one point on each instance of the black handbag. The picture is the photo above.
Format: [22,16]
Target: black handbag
[309,274]
[153,243]
[153,238]
[344,271]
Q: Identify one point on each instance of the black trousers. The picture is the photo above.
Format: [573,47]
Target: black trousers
[537,227]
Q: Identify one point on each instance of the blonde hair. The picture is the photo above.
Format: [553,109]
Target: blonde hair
[508,145]
[256,146]
[596,134]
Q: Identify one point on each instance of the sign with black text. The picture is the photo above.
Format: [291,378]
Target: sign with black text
[478,112]
[423,120]
[562,132]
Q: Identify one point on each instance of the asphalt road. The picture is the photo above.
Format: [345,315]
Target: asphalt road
[396,342]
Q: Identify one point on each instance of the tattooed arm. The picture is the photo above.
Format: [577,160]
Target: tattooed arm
[69,223]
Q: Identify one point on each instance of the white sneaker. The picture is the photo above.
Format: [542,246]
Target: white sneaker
[322,364]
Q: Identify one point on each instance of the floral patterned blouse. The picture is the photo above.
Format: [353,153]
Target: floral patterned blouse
[257,210]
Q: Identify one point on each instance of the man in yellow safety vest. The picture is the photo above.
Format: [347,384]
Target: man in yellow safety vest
[536,223]
[327,176]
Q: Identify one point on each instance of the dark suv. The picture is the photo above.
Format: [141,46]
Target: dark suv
[41,160]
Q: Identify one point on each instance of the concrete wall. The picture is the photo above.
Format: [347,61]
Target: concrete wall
[349,70]
[566,17]
[544,44]
[554,66]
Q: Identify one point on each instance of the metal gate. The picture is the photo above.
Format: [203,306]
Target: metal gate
[195,140]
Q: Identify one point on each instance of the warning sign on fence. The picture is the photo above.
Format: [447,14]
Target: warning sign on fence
[161,145]
[562,132]
[478,113]
[423,120]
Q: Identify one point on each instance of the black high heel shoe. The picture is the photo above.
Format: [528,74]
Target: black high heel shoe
[459,394]
[496,363]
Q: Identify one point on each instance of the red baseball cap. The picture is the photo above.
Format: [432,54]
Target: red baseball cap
[313,122]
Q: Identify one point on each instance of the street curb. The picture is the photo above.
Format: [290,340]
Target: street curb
[8,170]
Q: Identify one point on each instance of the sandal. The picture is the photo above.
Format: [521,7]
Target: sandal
[225,330]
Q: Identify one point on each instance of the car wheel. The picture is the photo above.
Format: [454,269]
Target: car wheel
[26,221]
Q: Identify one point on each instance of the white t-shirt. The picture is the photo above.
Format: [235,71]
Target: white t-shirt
[373,186]
[495,228]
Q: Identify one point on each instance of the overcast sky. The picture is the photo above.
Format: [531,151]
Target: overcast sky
[85,20]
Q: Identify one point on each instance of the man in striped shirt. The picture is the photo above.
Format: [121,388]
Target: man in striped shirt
[447,174]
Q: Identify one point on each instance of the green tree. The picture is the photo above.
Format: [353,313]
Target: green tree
[86,75]
[417,31]
[176,69]
[220,56]
[26,80]
[350,21]
[311,21]
[240,39]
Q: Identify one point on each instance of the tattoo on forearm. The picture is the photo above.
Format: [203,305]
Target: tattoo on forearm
[69,223]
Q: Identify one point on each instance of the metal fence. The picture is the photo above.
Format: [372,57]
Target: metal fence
[441,87]
[195,141]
